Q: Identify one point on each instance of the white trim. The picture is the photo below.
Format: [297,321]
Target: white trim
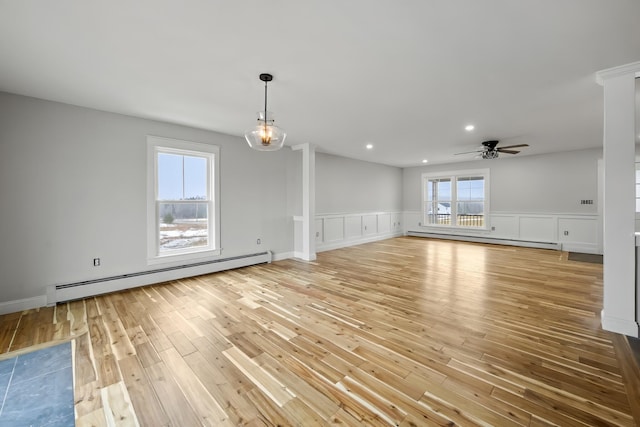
[354,242]
[304,257]
[620,326]
[22,304]
[453,176]
[336,230]
[509,227]
[305,234]
[621,70]
[212,153]
[482,239]
[73,291]
[584,248]
[283,255]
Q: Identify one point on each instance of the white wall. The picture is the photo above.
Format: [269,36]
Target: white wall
[353,186]
[73,187]
[549,183]
[356,202]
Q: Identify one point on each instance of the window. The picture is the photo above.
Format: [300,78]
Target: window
[456,199]
[637,187]
[183,215]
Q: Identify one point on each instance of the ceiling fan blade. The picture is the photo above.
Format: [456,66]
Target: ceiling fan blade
[469,152]
[502,150]
[513,146]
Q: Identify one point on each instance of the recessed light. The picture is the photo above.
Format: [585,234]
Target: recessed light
[469,128]
[425,161]
[369,146]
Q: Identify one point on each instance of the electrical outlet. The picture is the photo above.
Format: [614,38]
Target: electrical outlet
[258,241]
[96,262]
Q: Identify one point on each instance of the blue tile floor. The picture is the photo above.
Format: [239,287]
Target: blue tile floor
[36,389]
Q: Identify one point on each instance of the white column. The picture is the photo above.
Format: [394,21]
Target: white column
[308,200]
[619,311]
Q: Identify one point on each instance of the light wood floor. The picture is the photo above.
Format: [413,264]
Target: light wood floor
[406,331]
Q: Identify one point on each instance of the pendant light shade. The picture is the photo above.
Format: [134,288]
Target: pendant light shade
[265,136]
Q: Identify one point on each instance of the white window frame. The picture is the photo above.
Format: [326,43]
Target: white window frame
[453,176]
[637,182]
[156,145]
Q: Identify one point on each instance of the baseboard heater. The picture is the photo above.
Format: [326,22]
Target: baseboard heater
[88,288]
[492,240]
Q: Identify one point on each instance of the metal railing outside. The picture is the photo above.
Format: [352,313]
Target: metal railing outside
[462,220]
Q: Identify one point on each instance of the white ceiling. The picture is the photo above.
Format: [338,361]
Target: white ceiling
[404,75]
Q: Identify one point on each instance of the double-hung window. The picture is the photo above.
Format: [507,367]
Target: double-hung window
[183,214]
[637,190]
[456,199]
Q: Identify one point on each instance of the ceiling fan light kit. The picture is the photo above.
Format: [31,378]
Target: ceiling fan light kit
[265,136]
[490,150]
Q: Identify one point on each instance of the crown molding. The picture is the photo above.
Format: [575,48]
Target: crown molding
[621,70]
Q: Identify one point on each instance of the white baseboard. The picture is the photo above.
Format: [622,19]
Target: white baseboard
[480,239]
[620,326]
[301,255]
[353,242]
[283,255]
[584,248]
[22,304]
[78,290]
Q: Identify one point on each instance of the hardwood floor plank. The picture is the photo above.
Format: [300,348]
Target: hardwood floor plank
[8,327]
[259,377]
[92,419]
[205,406]
[306,393]
[84,364]
[117,406]
[629,366]
[88,399]
[145,403]
[406,331]
[173,401]
[270,413]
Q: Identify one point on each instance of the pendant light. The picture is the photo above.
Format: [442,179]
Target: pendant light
[265,136]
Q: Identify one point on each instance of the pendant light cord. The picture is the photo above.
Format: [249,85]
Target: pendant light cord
[265,107]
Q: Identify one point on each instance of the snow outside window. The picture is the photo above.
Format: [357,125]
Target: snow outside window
[182,200]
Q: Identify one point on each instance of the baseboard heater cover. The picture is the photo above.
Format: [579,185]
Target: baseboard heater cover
[87,288]
[492,240]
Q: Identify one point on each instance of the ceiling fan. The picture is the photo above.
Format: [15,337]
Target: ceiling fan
[489,150]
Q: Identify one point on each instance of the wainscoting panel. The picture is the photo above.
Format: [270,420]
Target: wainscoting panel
[384,223]
[353,226]
[538,228]
[370,225]
[340,230]
[504,226]
[396,222]
[571,232]
[319,231]
[333,229]
[580,234]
